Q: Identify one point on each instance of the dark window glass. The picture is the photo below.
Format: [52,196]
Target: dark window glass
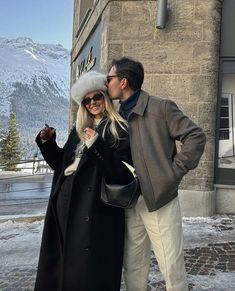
[224,123]
[224,101]
[224,112]
[224,134]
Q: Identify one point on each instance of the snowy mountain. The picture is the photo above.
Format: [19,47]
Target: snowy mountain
[34,83]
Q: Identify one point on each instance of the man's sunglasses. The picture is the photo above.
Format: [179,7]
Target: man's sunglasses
[110,77]
[96,97]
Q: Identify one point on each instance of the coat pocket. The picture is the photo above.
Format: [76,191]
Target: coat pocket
[175,173]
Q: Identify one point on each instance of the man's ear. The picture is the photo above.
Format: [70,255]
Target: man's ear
[124,83]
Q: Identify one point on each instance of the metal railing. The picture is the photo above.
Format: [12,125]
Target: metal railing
[31,166]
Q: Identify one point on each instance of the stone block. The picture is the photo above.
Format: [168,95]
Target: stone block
[207,9]
[185,9]
[211,31]
[186,67]
[136,11]
[131,32]
[225,200]
[209,152]
[178,52]
[148,50]
[189,109]
[155,66]
[205,51]
[203,88]
[115,50]
[208,109]
[184,31]
[147,84]
[197,203]
[207,119]
[209,67]
[204,170]
[175,87]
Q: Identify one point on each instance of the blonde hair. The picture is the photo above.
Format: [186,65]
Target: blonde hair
[85,119]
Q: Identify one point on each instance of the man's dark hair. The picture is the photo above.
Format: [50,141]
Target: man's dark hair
[130,69]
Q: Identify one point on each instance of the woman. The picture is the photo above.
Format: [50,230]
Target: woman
[82,244]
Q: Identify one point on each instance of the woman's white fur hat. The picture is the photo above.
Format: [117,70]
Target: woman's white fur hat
[88,82]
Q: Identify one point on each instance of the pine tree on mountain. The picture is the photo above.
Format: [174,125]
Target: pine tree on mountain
[10,153]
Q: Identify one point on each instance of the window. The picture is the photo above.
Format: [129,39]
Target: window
[224,119]
[85,7]
[227,117]
[225,149]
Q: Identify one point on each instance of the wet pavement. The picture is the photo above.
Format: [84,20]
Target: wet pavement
[24,195]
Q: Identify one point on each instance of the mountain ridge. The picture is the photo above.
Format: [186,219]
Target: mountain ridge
[34,83]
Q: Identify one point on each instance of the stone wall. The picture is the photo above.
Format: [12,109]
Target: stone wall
[181,62]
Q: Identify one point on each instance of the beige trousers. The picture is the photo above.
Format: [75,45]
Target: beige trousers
[161,229]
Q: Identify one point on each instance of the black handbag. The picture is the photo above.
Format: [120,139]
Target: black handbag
[123,196]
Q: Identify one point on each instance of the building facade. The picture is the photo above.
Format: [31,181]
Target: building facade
[190,60]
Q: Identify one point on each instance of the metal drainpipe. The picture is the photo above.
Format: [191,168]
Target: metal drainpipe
[161,14]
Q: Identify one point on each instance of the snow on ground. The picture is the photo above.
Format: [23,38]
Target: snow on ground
[200,231]
[220,282]
[21,218]
[12,174]
[20,242]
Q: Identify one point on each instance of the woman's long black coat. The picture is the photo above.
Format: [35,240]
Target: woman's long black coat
[90,256]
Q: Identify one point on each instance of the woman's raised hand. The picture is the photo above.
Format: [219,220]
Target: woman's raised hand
[89,133]
[46,132]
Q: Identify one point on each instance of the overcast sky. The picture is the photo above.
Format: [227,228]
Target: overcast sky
[44,21]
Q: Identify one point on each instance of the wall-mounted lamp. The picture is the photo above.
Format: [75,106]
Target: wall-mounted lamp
[161,14]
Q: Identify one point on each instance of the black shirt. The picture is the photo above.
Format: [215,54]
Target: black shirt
[127,105]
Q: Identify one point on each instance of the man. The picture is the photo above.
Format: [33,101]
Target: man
[154,126]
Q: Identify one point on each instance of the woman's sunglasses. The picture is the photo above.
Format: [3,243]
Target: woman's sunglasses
[96,97]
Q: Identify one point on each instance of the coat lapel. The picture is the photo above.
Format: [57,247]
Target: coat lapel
[142,103]
[62,177]
[69,155]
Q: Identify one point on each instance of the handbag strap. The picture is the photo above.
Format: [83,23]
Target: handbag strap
[132,169]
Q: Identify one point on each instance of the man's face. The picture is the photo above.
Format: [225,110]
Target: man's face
[114,85]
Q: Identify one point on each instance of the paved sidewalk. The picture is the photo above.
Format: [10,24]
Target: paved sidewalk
[209,254]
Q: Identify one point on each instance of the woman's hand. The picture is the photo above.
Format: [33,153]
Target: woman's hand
[46,133]
[89,133]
